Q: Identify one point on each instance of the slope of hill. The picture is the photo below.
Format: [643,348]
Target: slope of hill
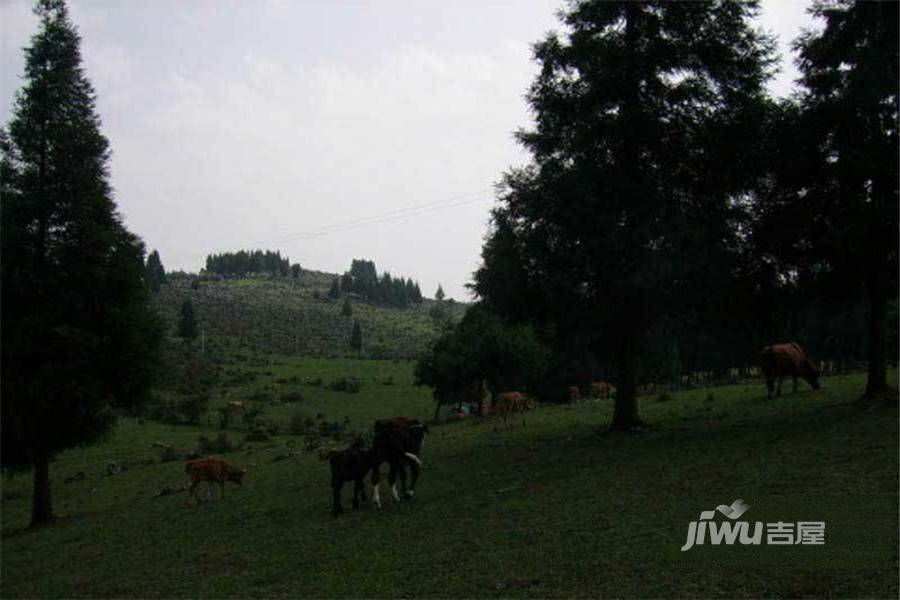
[283,316]
[558,507]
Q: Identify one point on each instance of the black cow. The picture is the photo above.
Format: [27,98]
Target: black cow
[351,464]
[398,442]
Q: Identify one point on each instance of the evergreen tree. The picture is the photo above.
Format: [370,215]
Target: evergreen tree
[154,273]
[644,114]
[79,338]
[850,74]
[187,323]
[439,294]
[356,337]
[295,271]
[347,310]
[335,292]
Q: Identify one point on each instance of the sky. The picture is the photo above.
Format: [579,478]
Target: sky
[326,130]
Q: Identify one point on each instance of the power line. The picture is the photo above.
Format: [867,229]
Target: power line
[392,215]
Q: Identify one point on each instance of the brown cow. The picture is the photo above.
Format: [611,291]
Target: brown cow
[600,389]
[574,393]
[510,403]
[212,470]
[780,360]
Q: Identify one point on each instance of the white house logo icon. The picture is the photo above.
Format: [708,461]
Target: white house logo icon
[731,531]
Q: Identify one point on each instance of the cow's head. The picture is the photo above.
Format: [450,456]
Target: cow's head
[811,375]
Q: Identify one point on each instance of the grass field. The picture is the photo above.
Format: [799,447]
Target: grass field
[557,507]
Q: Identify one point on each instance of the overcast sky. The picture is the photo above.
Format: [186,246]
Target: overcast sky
[326,130]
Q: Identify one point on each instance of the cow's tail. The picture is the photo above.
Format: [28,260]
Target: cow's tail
[413,457]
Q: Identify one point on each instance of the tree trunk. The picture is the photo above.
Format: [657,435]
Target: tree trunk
[876,381]
[625,416]
[41,500]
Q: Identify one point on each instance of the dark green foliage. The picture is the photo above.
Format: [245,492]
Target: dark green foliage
[335,291]
[296,270]
[439,294]
[356,337]
[482,350]
[626,215]
[187,323]
[154,273]
[847,180]
[253,262]
[78,337]
[363,279]
[347,309]
[221,445]
[345,384]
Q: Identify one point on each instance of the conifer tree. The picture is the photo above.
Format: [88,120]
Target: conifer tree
[79,338]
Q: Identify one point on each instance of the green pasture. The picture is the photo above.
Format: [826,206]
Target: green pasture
[559,507]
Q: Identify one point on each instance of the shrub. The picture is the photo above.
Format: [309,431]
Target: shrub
[169,454]
[345,384]
[253,418]
[221,445]
[292,397]
[258,434]
[192,406]
[301,424]
[664,397]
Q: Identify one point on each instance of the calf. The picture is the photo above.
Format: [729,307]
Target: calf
[780,360]
[212,470]
[351,464]
[574,393]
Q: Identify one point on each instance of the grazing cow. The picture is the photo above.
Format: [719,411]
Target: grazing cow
[780,360]
[398,442]
[600,389]
[508,404]
[574,393]
[212,470]
[351,464]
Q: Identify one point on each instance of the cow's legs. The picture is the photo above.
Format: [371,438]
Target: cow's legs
[778,389]
[336,507]
[357,491]
[392,478]
[414,468]
[795,383]
[770,387]
[376,485]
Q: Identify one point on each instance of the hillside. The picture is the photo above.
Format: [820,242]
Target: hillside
[278,314]
[559,507]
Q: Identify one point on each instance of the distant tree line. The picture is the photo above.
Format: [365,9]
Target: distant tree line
[362,279]
[252,262]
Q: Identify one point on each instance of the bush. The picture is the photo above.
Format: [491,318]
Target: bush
[664,397]
[289,397]
[261,396]
[169,454]
[253,418]
[301,424]
[345,384]
[221,445]
[193,406]
[258,434]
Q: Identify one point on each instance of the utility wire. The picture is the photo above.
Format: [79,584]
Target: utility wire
[392,215]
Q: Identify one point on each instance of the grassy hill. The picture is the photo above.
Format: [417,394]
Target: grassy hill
[281,315]
[557,507]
